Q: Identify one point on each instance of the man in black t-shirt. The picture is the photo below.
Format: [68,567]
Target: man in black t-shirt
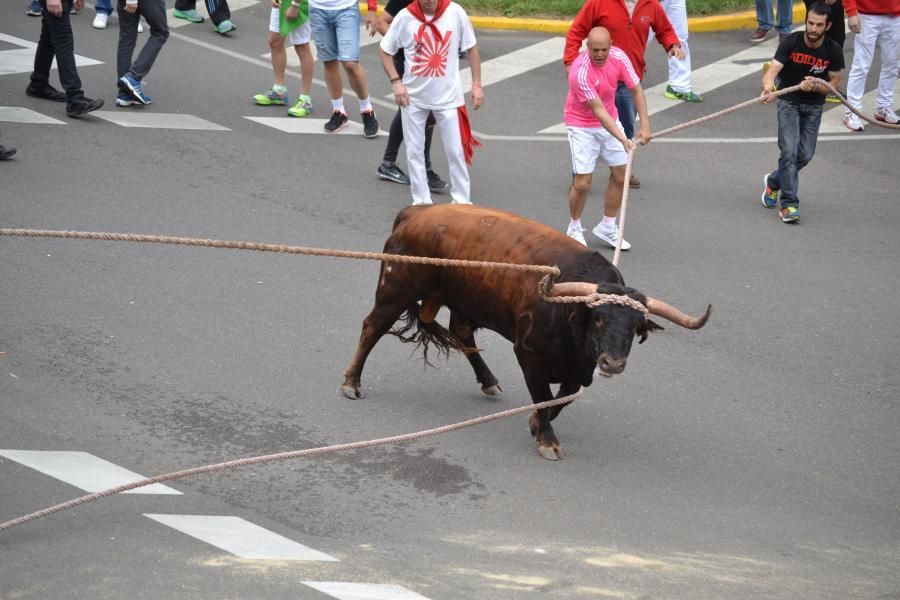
[805,58]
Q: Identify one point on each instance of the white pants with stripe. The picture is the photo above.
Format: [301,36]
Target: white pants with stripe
[875,30]
[679,70]
[414,118]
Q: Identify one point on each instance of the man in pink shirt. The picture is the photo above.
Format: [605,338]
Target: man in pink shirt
[595,133]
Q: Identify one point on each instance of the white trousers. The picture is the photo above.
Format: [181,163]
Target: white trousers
[414,118]
[875,30]
[679,70]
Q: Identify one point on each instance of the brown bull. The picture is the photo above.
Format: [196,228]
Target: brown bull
[554,343]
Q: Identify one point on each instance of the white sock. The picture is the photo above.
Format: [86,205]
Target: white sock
[608,222]
[575,223]
[338,104]
[365,104]
[280,89]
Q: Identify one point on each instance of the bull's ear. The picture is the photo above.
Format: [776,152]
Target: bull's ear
[645,329]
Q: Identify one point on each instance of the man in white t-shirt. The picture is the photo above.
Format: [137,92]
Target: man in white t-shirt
[595,133]
[431,33]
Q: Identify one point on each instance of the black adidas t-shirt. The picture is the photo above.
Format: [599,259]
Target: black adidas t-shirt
[800,60]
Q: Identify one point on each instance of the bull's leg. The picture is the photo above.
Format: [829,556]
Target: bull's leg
[376,324]
[566,389]
[539,422]
[462,328]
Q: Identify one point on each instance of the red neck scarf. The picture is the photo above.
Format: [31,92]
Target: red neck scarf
[415,9]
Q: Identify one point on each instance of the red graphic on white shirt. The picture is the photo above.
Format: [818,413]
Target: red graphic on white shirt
[430,59]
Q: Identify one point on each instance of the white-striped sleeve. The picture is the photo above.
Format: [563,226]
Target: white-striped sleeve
[631,78]
[585,89]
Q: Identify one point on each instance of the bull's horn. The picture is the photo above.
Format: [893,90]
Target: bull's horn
[573,288]
[661,309]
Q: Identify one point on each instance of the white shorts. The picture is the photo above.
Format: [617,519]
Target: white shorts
[592,146]
[299,36]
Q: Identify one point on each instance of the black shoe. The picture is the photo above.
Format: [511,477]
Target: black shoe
[47,92]
[6,152]
[370,124]
[82,105]
[392,173]
[436,184]
[337,122]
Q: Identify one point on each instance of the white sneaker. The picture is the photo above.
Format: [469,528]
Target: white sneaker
[887,115]
[140,27]
[100,20]
[576,234]
[853,123]
[610,236]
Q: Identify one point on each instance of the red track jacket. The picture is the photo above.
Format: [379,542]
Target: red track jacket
[890,8]
[628,33]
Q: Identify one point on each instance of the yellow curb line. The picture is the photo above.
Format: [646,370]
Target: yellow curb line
[744,20]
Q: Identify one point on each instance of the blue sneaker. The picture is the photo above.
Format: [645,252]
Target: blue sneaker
[132,86]
[125,99]
[769,196]
[224,27]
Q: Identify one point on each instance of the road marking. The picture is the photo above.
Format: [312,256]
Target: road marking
[83,470]
[846,136]
[239,537]
[364,591]
[18,114]
[132,118]
[306,125]
[22,60]
[517,62]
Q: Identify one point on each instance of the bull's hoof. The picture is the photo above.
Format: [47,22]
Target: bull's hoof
[351,391]
[550,453]
[491,390]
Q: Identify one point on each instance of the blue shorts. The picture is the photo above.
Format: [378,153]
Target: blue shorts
[336,33]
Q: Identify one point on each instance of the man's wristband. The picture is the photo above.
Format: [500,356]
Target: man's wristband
[373,6]
[396,79]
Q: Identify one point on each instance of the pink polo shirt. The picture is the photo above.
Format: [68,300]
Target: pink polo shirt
[588,81]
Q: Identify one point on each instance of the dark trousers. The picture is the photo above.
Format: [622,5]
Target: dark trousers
[395,135]
[627,110]
[836,32]
[217,9]
[154,12]
[57,40]
[798,131]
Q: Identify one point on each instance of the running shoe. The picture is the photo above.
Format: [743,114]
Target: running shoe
[769,195]
[188,15]
[436,184]
[576,233]
[131,85]
[609,235]
[671,94]
[853,123]
[303,107]
[224,27]
[789,214]
[337,122]
[370,124]
[887,115]
[391,172]
[271,98]
[125,99]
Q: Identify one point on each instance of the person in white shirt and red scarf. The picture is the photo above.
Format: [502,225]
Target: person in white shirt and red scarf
[431,32]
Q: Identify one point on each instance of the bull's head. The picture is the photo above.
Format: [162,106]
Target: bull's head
[615,315]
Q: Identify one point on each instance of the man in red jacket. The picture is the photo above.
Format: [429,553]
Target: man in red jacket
[629,23]
[875,22]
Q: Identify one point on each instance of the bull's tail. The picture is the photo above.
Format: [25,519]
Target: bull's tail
[425,332]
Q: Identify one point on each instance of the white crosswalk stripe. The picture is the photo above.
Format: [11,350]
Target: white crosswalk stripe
[133,118]
[19,114]
[240,537]
[83,470]
[364,591]
[21,60]
[306,125]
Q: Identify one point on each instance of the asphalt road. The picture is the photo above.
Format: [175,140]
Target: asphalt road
[755,458]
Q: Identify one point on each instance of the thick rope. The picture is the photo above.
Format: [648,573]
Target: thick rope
[267,458]
[185,241]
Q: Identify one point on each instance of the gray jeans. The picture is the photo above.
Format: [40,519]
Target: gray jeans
[154,12]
